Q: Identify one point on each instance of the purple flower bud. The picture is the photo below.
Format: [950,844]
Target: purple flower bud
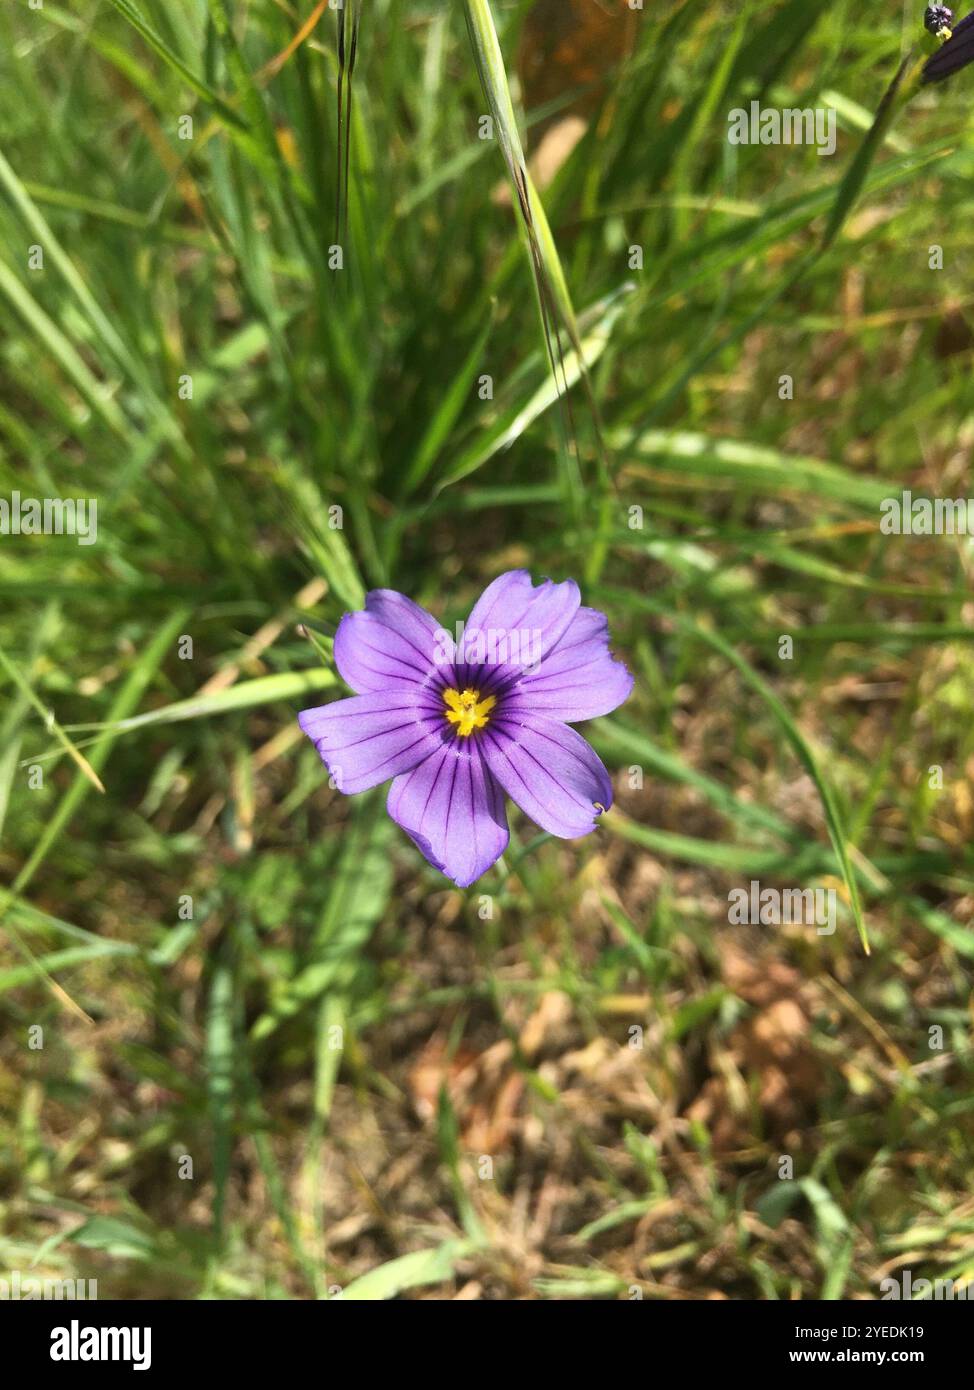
[954,54]
[938,18]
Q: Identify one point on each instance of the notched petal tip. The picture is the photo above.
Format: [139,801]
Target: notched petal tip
[550,772]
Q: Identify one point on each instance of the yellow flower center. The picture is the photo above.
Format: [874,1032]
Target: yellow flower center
[467,710]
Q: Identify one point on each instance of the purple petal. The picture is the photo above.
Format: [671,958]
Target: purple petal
[392,645]
[539,615]
[549,771]
[454,810]
[369,738]
[579,679]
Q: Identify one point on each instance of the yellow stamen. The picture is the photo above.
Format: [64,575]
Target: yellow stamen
[467,710]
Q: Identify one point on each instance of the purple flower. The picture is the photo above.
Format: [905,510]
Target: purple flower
[457,723]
